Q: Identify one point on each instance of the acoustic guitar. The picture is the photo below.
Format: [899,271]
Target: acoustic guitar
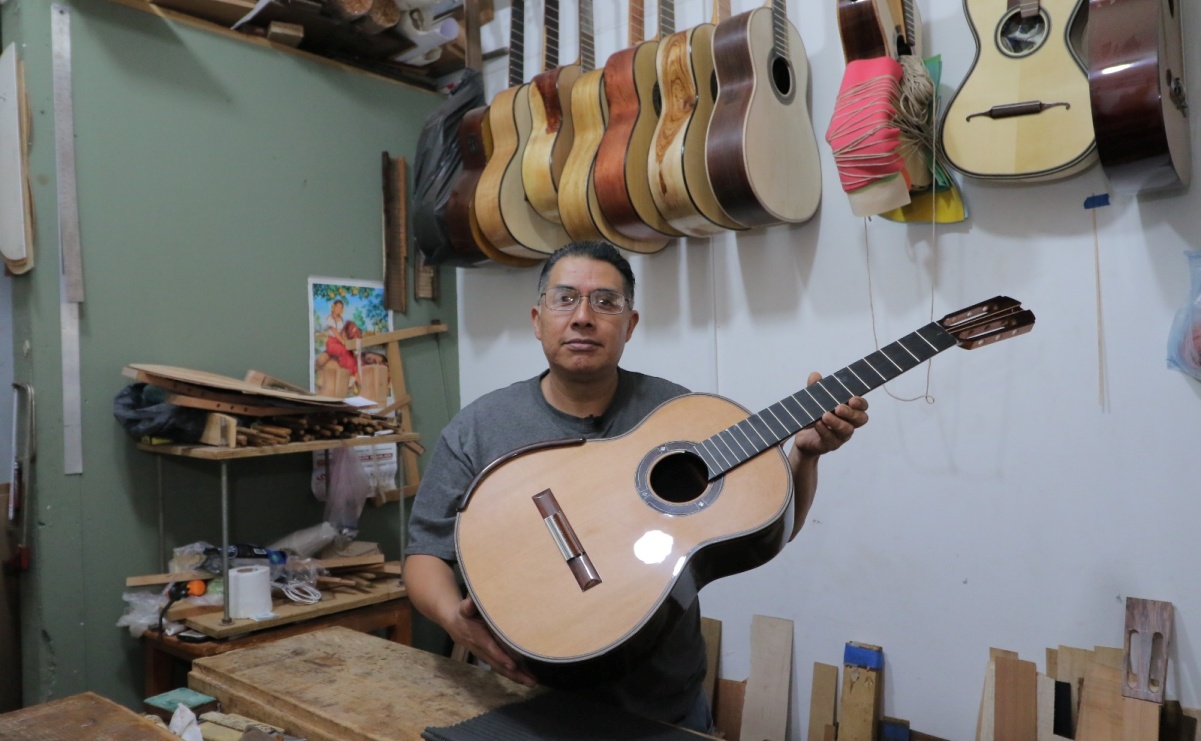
[761,151]
[551,128]
[620,171]
[1137,87]
[578,206]
[470,244]
[1023,112]
[679,179]
[581,554]
[506,218]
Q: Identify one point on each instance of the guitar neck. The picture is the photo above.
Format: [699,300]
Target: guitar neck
[587,45]
[667,18]
[1028,8]
[517,44]
[637,23]
[739,443]
[721,11]
[550,38]
[779,26]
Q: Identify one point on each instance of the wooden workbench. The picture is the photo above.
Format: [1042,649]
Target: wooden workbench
[339,685]
[82,716]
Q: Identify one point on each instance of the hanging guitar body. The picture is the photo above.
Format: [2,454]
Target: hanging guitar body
[760,149]
[1023,111]
[1137,86]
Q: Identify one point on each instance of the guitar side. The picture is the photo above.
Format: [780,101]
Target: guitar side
[506,217]
[649,562]
[578,207]
[679,180]
[552,132]
[761,176]
[1054,142]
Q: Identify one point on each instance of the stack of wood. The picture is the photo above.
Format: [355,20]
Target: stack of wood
[316,426]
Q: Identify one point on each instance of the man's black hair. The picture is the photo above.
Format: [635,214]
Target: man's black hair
[594,250]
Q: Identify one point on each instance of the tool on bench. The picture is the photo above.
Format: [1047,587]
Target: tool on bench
[177,591]
[18,493]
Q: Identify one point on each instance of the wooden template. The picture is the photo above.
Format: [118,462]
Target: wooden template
[1016,700]
[16,206]
[823,699]
[1147,646]
[859,711]
[769,687]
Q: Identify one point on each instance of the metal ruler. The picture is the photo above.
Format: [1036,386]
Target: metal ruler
[70,254]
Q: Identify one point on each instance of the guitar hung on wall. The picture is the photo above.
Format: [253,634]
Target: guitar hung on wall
[620,171]
[1139,100]
[679,180]
[579,208]
[581,554]
[1022,113]
[506,218]
[760,149]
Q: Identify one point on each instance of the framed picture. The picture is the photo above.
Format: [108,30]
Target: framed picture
[341,311]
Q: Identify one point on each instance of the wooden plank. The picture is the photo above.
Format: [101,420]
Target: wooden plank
[1109,656]
[209,453]
[1101,714]
[408,457]
[289,612]
[727,713]
[206,380]
[986,714]
[86,715]
[860,705]
[1147,646]
[1046,708]
[1140,719]
[339,685]
[400,335]
[1052,662]
[247,409]
[711,633]
[396,288]
[823,699]
[151,580]
[1015,713]
[1073,664]
[769,687]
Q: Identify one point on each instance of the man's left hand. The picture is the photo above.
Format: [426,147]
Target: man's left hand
[834,428]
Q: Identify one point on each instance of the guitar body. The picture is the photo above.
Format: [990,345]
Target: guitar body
[578,206]
[462,222]
[1021,61]
[620,171]
[551,136]
[865,29]
[761,151]
[505,216]
[678,177]
[1136,81]
[650,562]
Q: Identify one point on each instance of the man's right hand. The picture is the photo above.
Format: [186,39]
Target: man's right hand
[470,630]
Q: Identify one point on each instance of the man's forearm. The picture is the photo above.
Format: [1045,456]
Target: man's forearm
[804,482]
[432,588]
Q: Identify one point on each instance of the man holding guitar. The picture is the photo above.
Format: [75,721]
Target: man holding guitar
[583,318]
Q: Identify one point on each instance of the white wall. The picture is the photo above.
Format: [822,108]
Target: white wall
[1018,509]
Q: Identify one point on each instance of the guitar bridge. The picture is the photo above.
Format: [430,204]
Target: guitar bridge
[562,533]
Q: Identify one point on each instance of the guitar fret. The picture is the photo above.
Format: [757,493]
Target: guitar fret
[710,443]
[813,417]
[849,393]
[808,418]
[729,431]
[517,43]
[723,442]
[667,18]
[779,421]
[942,339]
[900,359]
[827,392]
[550,15]
[750,422]
[901,345]
[870,364]
[884,356]
[848,378]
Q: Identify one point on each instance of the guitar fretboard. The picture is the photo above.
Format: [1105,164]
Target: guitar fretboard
[550,44]
[517,43]
[757,433]
[587,47]
[637,23]
[779,23]
[667,18]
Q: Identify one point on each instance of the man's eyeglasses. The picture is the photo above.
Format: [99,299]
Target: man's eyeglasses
[602,301]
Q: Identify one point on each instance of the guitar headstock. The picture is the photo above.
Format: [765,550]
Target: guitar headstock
[990,321]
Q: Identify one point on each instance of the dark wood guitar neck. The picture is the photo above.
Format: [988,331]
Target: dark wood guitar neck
[517,44]
[779,22]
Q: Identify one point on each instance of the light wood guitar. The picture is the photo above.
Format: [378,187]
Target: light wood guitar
[581,554]
[1137,86]
[551,128]
[506,218]
[761,151]
[1022,113]
[620,171]
[679,179]
[578,206]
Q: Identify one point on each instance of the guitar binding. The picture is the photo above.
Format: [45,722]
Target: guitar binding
[673,478]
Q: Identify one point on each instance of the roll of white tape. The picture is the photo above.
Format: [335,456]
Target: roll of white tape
[249,591]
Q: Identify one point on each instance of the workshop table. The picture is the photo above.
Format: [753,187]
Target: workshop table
[83,716]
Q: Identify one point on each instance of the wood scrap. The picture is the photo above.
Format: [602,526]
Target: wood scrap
[769,687]
[823,699]
[288,34]
[711,633]
[1147,646]
[396,249]
[862,692]
[426,283]
[1016,700]
[727,712]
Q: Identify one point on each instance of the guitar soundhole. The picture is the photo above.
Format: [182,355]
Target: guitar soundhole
[1020,37]
[679,478]
[657,99]
[713,85]
[781,76]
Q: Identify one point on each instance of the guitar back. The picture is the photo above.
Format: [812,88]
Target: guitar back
[679,180]
[648,561]
[460,203]
[1136,84]
[1044,128]
[552,132]
[761,150]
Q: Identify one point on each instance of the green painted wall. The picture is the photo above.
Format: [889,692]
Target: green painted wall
[214,178]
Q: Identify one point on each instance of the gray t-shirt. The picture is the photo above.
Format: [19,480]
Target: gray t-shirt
[666,685]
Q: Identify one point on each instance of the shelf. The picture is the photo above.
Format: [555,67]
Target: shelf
[214,453]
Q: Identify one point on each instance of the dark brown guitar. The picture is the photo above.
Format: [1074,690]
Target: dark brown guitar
[1136,84]
[581,554]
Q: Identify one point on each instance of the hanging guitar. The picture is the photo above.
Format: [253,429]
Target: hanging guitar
[552,130]
[580,554]
[1022,113]
[1137,86]
[760,149]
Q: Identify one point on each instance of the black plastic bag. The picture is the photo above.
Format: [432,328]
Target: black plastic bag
[438,163]
[143,411]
